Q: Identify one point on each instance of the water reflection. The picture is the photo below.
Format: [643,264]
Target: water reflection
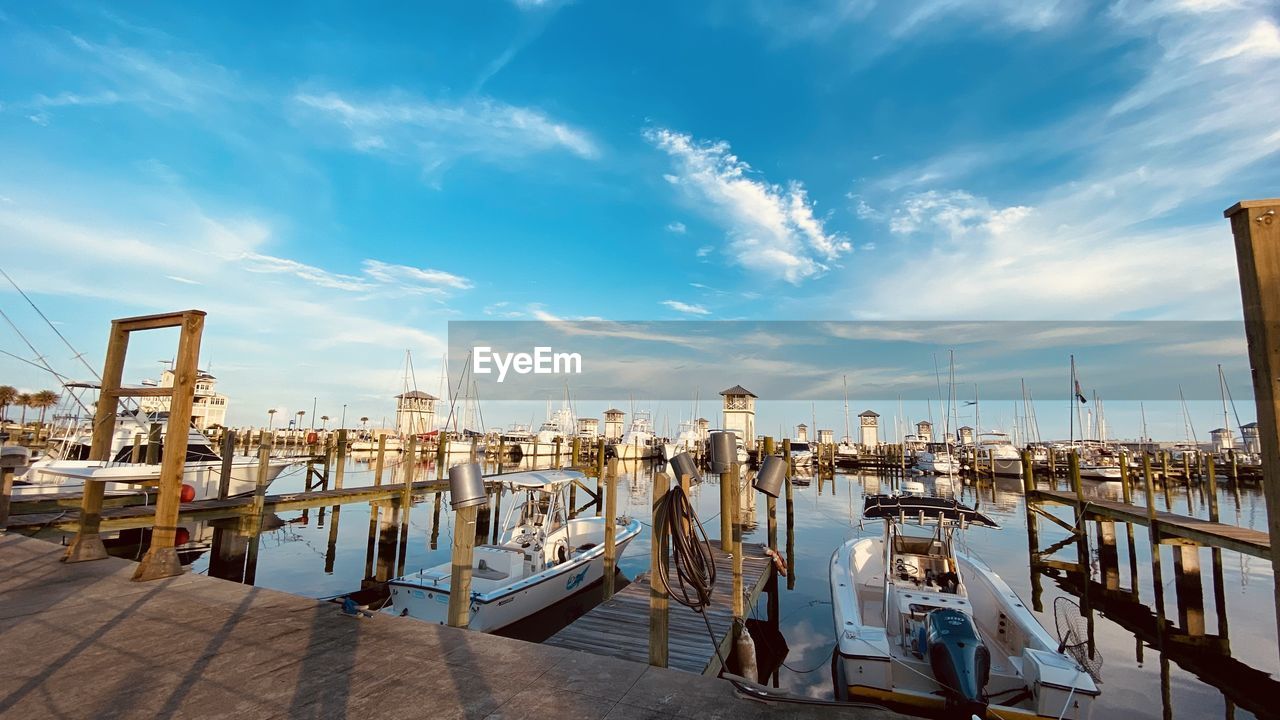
[1201,665]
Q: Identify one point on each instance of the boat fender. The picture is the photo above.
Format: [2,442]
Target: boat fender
[187,494]
[313,438]
[562,552]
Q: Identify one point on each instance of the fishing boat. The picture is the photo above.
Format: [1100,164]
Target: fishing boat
[925,628]
[801,453]
[638,441]
[938,460]
[1000,454]
[544,556]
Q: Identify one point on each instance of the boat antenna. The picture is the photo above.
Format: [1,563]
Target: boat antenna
[1186,418]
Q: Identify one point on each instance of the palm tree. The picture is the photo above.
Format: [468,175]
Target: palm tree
[24,400]
[8,394]
[271,417]
[364,421]
[44,400]
[324,421]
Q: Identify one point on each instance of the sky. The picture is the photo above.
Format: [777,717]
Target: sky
[334,185]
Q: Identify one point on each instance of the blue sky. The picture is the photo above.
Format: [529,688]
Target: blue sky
[335,184]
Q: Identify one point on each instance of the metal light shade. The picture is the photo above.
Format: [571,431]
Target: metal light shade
[724,451]
[466,486]
[771,475]
[683,464]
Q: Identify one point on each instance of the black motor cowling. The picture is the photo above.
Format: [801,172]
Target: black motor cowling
[959,660]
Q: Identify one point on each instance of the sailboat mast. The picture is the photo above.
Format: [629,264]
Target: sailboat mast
[1222,390]
[847,437]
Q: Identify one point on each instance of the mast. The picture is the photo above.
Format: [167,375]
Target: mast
[1146,439]
[848,439]
[1071,402]
[1222,390]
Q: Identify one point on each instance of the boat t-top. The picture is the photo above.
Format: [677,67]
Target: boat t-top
[924,628]
[544,556]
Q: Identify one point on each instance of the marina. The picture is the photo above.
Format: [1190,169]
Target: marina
[848,360]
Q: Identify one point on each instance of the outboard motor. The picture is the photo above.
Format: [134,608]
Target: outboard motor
[960,662]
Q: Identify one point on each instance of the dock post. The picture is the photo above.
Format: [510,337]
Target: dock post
[224,474]
[727,500]
[161,559]
[502,453]
[434,540]
[464,540]
[340,461]
[1028,475]
[410,466]
[739,611]
[791,518]
[1074,466]
[1125,487]
[471,456]
[557,461]
[380,464]
[136,456]
[153,444]
[255,515]
[770,502]
[6,488]
[658,611]
[1211,487]
[610,527]
[575,456]
[1053,468]
[442,449]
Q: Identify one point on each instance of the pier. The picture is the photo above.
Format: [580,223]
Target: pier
[82,641]
[619,627]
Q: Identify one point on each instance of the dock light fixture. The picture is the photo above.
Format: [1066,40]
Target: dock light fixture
[724,451]
[683,464]
[771,475]
[466,486]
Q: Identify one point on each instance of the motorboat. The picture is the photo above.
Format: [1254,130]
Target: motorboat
[544,556]
[801,453]
[938,460]
[924,628]
[1000,455]
[638,441]
[66,468]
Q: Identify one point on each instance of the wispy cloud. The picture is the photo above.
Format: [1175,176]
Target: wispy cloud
[686,308]
[376,275]
[677,228]
[772,229]
[434,133]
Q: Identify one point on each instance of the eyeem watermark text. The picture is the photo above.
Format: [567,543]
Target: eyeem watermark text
[542,361]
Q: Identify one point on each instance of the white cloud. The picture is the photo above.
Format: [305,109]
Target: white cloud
[772,229]
[412,277]
[686,308]
[704,251]
[435,133]
[677,227]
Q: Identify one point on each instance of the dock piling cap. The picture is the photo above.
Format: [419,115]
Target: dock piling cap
[466,486]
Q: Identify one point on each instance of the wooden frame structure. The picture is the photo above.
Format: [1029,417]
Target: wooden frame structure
[161,559]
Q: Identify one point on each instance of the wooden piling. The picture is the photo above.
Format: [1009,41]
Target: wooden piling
[410,469]
[464,540]
[1074,465]
[136,456]
[1028,472]
[254,519]
[727,499]
[340,459]
[1125,487]
[224,474]
[379,465]
[610,526]
[658,609]
[154,433]
[791,517]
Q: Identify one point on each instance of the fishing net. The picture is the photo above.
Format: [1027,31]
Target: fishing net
[1073,637]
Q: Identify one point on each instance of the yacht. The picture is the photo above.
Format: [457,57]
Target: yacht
[637,442]
[65,467]
[1000,454]
[801,453]
[924,628]
[544,556]
[938,460]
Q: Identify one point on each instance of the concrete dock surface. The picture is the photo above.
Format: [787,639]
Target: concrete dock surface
[85,641]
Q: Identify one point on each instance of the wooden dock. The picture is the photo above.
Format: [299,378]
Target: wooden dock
[121,516]
[84,641]
[1170,526]
[619,627]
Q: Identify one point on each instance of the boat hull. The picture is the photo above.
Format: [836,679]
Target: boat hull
[203,477]
[496,610]
[633,451]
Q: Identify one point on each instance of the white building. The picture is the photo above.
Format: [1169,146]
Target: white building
[415,412]
[827,437]
[802,433]
[1250,438]
[924,431]
[965,435]
[1221,440]
[589,428]
[208,409]
[740,414]
[613,425]
[869,425]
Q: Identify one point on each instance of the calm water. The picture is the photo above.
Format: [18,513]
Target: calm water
[308,555]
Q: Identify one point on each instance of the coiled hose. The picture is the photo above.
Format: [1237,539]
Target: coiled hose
[677,527]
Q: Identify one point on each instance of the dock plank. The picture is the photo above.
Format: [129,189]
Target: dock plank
[619,627]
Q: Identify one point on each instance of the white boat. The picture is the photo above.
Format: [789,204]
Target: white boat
[938,462]
[544,557]
[1092,471]
[924,628]
[67,470]
[1000,454]
[688,439]
[637,442]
